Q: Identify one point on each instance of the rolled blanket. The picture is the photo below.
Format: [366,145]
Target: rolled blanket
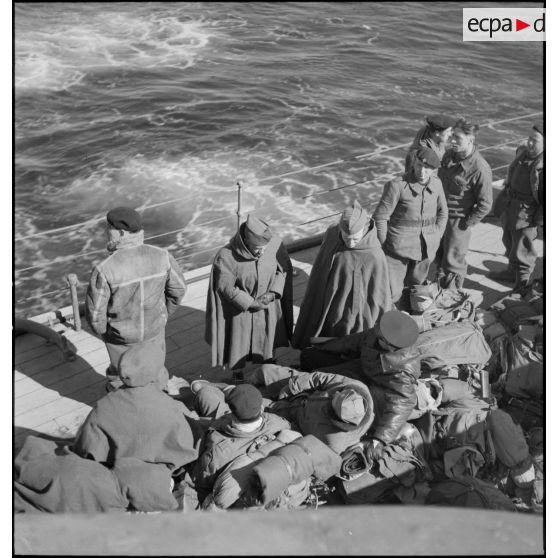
[292,464]
[354,462]
[235,480]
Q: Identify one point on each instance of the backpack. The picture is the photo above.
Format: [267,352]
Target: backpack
[524,369]
[455,343]
[441,306]
[468,492]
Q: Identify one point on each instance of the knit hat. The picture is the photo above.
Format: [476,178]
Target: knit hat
[348,405]
[256,231]
[440,121]
[124,219]
[245,402]
[398,328]
[428,157]
[539,127]
[142,363]
[354,218]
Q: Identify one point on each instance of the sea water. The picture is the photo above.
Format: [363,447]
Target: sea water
[166,106]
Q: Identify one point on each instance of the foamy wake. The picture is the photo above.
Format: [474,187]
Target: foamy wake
[59,53]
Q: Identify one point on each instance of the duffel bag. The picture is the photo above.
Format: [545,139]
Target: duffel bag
[524,370]
[455,343]
[468,492]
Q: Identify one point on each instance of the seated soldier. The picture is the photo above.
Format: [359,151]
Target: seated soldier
[335,409]
[242,430]
[138,420]
[385,356]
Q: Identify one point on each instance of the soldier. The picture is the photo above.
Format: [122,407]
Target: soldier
[522,210]
[249,307]
[467,181]
[132,293]
[434,135]
[348,286]
[415,207]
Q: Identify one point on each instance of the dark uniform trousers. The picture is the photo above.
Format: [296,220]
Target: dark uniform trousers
[452,255]
[404,272]
[520,248]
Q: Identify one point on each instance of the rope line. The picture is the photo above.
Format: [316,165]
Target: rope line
[290,173]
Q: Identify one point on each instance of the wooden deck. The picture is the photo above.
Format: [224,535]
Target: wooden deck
[53,396]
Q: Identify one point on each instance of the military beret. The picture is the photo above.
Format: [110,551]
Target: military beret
[440,121]
[354,218]
[539,127]
[428,157]
[348,405]
[125,219]
[256,231]
[398,328]
[245,402]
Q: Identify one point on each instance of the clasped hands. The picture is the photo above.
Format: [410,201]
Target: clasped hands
[262,301]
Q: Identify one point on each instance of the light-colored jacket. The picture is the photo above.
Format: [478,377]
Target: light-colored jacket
[133,291]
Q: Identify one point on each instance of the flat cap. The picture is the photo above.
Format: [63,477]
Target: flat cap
[354,218]
[125,219]
[398,328]
[245,402]
[428,157]
[440,121]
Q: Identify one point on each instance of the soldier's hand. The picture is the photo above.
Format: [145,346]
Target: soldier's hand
[373,450]
[266,298]
[256,305]
[285,392]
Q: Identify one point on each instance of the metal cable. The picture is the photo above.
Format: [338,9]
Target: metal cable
[306,169]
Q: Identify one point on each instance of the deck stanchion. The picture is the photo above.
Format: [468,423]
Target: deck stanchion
[238,204]
[73,282]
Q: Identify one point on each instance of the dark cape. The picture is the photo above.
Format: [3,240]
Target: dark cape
[141,422]
[49,478]
[348,289]
[235,333]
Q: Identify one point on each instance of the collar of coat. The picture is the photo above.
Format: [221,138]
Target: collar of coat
[239,247]
[468,163]
[225,426]
[128,241]
[417,187]
[368,241]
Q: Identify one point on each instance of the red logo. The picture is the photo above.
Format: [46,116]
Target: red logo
[519,25]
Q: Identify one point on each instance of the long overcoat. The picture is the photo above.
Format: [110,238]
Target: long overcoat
[348,289]
[237,279]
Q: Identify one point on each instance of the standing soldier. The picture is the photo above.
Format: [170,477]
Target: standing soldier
[249,301]
[132,293]
[435,134]
[411,218]
[467,181]
[348,286]
[522,208]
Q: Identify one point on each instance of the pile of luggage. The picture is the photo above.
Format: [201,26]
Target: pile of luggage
[476,436]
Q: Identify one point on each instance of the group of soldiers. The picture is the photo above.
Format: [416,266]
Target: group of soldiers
[259,438]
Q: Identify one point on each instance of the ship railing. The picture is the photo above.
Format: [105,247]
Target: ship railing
[72,282]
